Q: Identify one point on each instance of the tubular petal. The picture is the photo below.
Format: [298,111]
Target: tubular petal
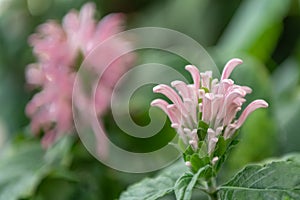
[171,94]
[195,75]
[229,67]
[249,109]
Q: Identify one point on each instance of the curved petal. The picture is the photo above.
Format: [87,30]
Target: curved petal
[249,109]
[195,75]
[171,94]
[162,104]
[230,65]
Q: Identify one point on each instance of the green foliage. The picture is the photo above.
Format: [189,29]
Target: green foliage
[154,188]
[185,184]
[198,163]
[202,129]
[273,180]
[181,184]
[21,172]
[23,167]
[173,179]
[276,180]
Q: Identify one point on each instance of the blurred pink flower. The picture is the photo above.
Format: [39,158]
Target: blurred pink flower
[57,49]
[214,102]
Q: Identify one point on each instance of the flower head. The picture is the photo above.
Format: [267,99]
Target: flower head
[57,49]
[206,107]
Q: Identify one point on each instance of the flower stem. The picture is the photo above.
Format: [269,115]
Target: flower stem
[213,196]
[212,188]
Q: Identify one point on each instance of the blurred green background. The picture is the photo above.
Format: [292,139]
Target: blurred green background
[264,33]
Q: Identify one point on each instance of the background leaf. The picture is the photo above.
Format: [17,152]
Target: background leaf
[21,172]
[250,28]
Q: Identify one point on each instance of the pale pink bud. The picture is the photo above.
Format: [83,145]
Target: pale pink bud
[194,144]
[214,160]
[212,140]
[188,164]
[211,145]
[229,131]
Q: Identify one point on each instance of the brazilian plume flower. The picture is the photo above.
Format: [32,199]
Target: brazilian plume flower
[57,48]
[208,105]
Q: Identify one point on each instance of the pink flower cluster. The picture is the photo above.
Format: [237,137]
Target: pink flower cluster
[214,102]
[57,48]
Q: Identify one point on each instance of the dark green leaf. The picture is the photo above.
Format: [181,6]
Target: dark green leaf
[198,163]
[203,125]
[154,188]
[202,130]
[276,180]
[185,184]
[188,153]
[221,147]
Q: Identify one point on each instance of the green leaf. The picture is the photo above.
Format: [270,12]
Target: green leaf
[185,184]
[197,162]
[24,165]
[58,154]
[181,145]
[221,147]
[188,151]
[154,188]
[276,180]
[202,129]
[203,125]
[181,185]
[56,188]
[21,170]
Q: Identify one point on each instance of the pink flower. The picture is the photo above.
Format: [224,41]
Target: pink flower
[220,101]
[57,48]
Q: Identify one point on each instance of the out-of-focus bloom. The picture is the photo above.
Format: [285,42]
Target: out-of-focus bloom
[208,101]
[57,49]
